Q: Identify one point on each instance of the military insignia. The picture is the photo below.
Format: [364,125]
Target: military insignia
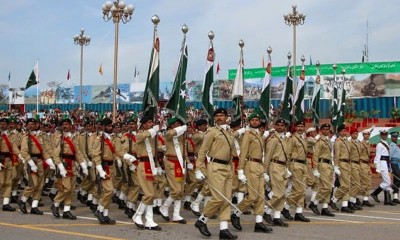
[178,170]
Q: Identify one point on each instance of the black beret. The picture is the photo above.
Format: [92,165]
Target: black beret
[4,120]
[341,127]
[201,122]
[235,123]
[66,120]
[325,125]
[145,119]
[280,120]
[106,121]
[30,120]
[220,110]
[300,123]
[118,124]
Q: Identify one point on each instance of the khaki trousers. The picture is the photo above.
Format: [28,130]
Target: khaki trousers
[6,177]
[146,185]
[344,190]
[365,178]
[255,178]
[66,192]
[278,185]
[299,176]
[37,178]
[176,188]
[325,182]
[355,179]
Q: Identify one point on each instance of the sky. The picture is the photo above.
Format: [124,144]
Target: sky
[333,32]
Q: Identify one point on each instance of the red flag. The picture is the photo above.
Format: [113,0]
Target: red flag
[68,76]
[218,68]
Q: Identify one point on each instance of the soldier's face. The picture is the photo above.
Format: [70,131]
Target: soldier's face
[300,129]
[147,125]
[202,128]
[108,128]
[254,122]
[3,126]
[11,126]
[31,126]
[280,127]
[325,131]
[384,136]
[366,136]
[66,126]
[354,135]
[220,118]
[133,126]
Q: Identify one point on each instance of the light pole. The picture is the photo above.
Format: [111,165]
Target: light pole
[294,19]
[81,40]
[117,11]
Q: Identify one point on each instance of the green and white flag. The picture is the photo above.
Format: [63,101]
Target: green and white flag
[342,103]
[208,85]
[177,102]
[287,99]
[334,109]
[315,99]
[151,92]
[299,99]
[33,78]
[237,91]
[265,97]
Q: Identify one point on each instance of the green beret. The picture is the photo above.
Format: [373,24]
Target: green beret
[253,115]
[172,121]
[106,121]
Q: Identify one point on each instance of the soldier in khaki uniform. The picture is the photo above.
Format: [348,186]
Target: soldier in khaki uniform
[311,181]
[204,194]
[35,151]
[365,169]
[176,158]
[238,187]
[342,158]
[323,166]
[297,152]
[17,161]
[191,181]
[8,151]
[276,159]
[218,145]
[251,171]
[148,168]
[104,156]
[65,154]
[160,182]
[355,148]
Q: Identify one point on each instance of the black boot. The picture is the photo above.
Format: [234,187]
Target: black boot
[388,199]
[36,211]
[396,201]
[268,218]
[326,212]
[129,212]
[52,196]
[278,222]
[109,220]
[236,222]
[260,227]
[55,211]
[122,204]
[202,228]
[8,208]
[286,214]
[93,207]
[357,206]
[186,205]
[375,194]
[346,210]
[225,234]
[300,217]
[367,204]
[333,206]
[156,210]
[68,215]
[14,199]
[82,198]
[314,208]
[22,206]
[234,200]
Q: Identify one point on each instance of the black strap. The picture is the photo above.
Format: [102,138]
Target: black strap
[283,149]
[386,146]
[230,147]
[304,148]
[356,147]
[262,149]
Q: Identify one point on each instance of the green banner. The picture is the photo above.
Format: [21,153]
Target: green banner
[325,69]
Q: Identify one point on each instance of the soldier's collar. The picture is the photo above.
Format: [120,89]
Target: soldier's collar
[14,131]
[224,126]
[67,134]
[5,132]
[107,135]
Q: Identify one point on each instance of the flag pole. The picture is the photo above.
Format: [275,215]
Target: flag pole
[37,86]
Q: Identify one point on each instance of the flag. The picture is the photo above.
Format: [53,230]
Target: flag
[310,61]
[237,91]
[177,102]
[342,103]
[315,99]
[287,98]
[299,98]
[134,75]
[362,59]
[101,69]
[265,97]
[68,75]
[9,76]
[334,108]
[151,93]
[208,85]
[34,77]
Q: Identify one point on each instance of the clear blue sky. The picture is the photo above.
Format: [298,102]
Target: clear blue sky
[335,31]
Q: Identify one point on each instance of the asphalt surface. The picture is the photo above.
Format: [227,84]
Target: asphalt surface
[370,223]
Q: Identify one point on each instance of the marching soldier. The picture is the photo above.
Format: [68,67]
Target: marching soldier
[297,149]
[394,162]
[176,156]
[312,181]
[34,150]
[382,164]
[365,169]
[237,186]
[217,144]
[65,154]
[148,168]
[191,181]
[355,148]
[323,166]
[251,163]
[160,182]
[18,166]
[276,161]
[8,151]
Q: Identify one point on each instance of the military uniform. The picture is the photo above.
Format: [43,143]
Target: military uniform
[237,187]
[365,172]
[311,181]
[355,189]
[160,181]
[18,166]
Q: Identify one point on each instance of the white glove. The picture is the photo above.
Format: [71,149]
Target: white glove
[119,163]
[266,177]
[199,175]
[180,130]
[1,166]
[189,166]
[316,173]
[317,137]
[49,162]
[266,134]
[164,148]
[129,157]
[63,172]
[336,170]
[288,173]
[89,163]
[378,167]
[21,158]
[102,173]
[288,134]
[152,132]
[84,168]
[241,176]
[160,171]
[32,165]
[132,168]
[241,131]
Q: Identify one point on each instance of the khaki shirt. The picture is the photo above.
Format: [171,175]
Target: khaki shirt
[297,147]
[85,142]
[251,147]
[365,150]
[342,149]
[217,143]
[141,146]
[61,147]
[354,146]
[16,138]
[198,137]
[310,144]
[322,150]
[26,142]
[128,143]
[4,147]
[105,154]
[276,149]
[169,135]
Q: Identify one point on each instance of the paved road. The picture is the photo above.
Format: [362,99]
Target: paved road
[371,223]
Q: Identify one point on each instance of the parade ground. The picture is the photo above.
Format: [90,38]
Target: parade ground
[370,223]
